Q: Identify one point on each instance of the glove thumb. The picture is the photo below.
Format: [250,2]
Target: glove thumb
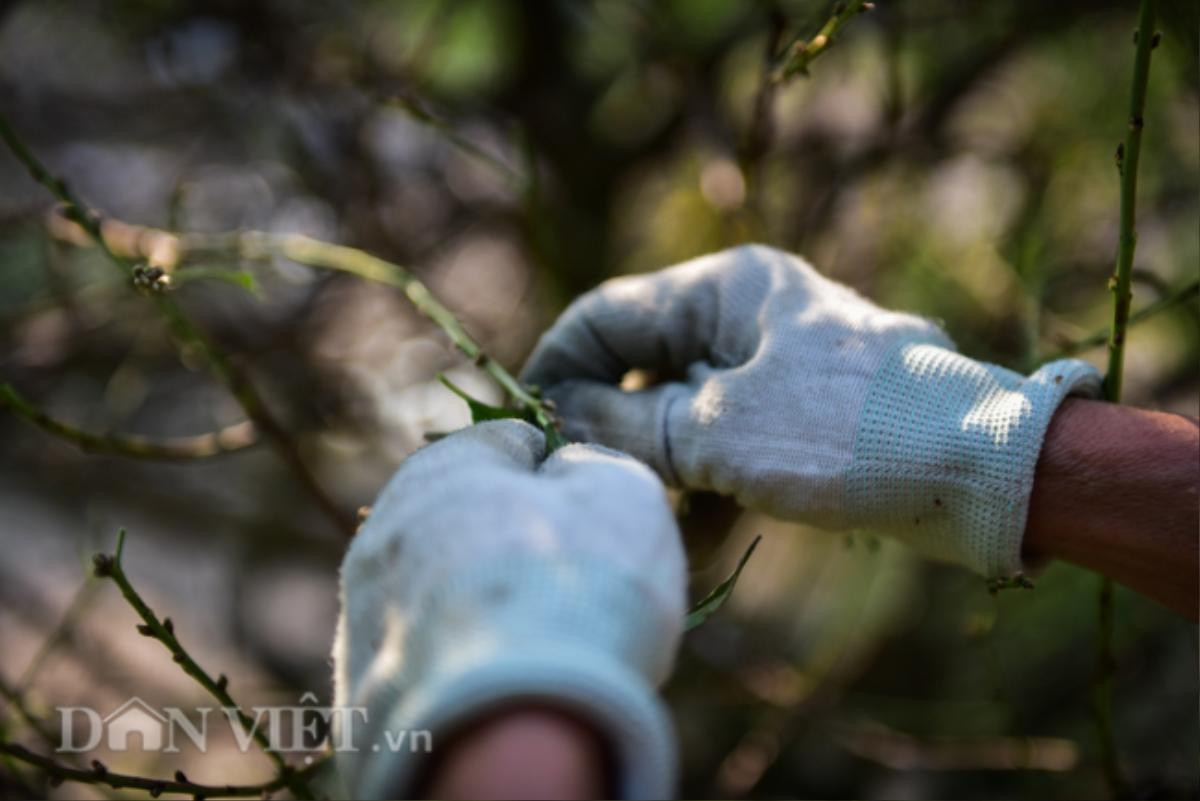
[633,422]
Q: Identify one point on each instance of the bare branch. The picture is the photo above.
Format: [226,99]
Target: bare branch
[1128,154]
[258,246]
[1185,294]
[153,280]
[800,53]
[180,785]
[200,446]
[110,567]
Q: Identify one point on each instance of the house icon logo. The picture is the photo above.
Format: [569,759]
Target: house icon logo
[135,717]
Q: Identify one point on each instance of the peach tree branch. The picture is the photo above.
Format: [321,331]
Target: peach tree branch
[110,567]
[201,446]
[180,784]
[174,251]
[1185,294]
[1128,157]
[154,282]
[802,52]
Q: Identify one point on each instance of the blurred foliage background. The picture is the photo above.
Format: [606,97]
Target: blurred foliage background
[949,157]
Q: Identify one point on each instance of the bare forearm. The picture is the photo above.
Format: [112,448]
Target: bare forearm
[1116,491]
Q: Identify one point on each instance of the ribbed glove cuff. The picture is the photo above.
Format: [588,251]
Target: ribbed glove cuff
[946,449]
[602,692]
[583,639]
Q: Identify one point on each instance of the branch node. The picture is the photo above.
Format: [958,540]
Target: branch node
[102,565]
[151,279]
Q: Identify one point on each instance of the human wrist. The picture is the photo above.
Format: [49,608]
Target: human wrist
[1116,492]
[524,751]
[1104,461]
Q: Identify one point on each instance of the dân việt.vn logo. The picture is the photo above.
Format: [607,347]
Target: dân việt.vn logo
[304,728]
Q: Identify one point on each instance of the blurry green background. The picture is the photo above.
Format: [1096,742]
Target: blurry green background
[948,157]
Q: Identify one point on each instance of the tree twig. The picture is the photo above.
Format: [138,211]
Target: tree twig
[259,246]
[1184,294]
[79,605]
[201,446]
[154,281]
[357,262]
[801,52]
[16,700]
[110,567]
[15,695]
[1128,156]
[761,129]
[99,774]
[419,113]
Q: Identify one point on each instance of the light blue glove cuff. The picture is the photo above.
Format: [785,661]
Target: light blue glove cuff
[578,638]
[946,449]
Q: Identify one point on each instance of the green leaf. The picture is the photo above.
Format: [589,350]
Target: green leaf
[554,438]
[481,411]
[709,604]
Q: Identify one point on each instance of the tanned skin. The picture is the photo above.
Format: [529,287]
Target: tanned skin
[1117,490]
[529,752]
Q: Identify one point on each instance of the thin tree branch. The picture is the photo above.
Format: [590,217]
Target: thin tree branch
[1184,294]
[99,774]
[109,566]
[1128,156]
[801,53]
[80,604]
[259,246]
[15,698]
[417,112]
[761,130]
[75,210]
[17,702]
[15,695]
[201,446]
[154,281]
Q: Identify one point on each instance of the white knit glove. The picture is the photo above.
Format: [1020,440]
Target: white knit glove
[488,573]
[807,402]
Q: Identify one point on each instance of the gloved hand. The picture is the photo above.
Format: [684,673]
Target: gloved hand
[807,402]
[488,572]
